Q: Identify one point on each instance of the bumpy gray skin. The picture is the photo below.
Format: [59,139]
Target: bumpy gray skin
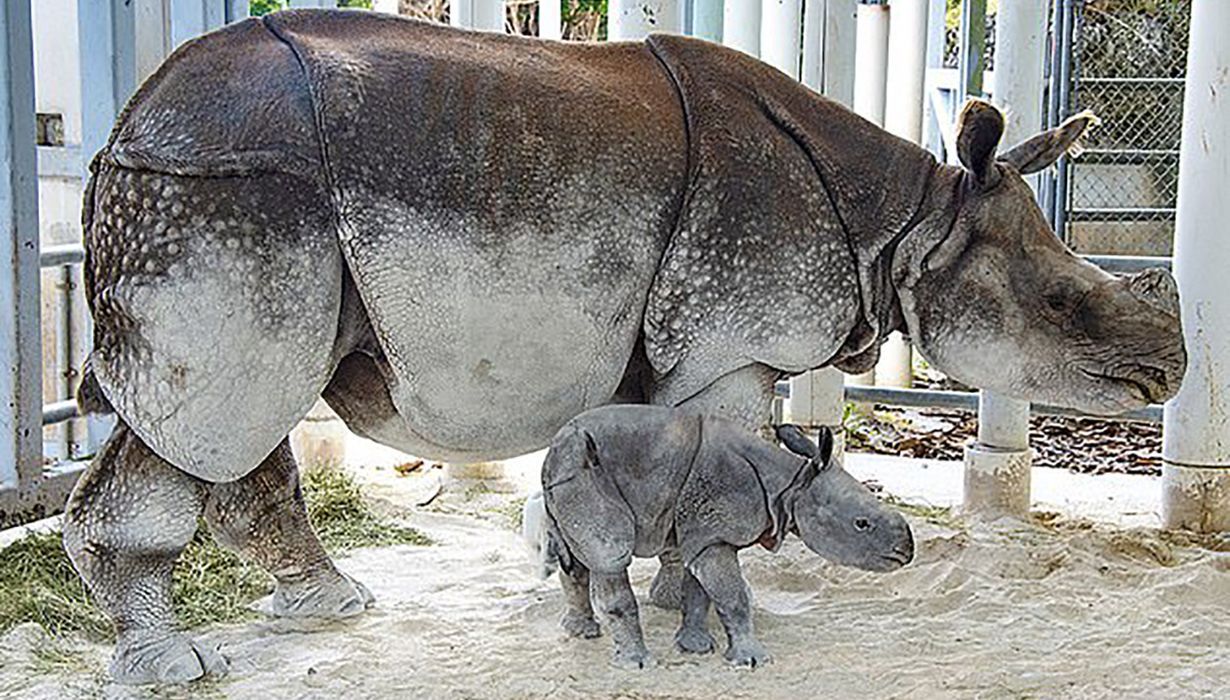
[632,481]
[462,240]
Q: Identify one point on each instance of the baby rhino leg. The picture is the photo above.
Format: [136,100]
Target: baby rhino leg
[263,516]
[617,604]
[693,636]
[717,569]
[578,620]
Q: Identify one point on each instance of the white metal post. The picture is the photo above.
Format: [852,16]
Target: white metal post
[870,60]
[741,26]
[997,466]
[829,34]
[1196,436]
[707,19]
[550,19]
[21,370]
[781,34]
[487,15]
[637,19]
[903,106]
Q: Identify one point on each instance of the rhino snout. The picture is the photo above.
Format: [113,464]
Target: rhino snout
[902,552]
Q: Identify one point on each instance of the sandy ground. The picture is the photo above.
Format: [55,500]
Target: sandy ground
[1049,609]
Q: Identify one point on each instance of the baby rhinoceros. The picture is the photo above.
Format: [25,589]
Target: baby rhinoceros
[634,481]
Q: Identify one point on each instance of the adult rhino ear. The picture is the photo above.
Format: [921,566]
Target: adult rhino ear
[1043,150]
[979,129]
[825,447]
[793,438]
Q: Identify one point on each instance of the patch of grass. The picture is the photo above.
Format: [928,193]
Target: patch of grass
[514,511]
[344,519]
[211,584]
[936,515]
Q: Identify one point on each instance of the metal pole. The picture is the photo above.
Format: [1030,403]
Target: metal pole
[1196,427]
[741,26]
[973,43]
[780,35]
[903,107]
[707,19]
[871,60]
[21,371]
[997,466]
[636,19]
[550,19]
[829,33]
[487,15]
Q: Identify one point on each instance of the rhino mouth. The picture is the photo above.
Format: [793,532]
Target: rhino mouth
[1145,390]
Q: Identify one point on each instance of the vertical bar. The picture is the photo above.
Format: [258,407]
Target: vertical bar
[1070,36]
[741,26]
[1196,422]
[486,15]
[237,10]
[550,19]
[21,432]
[707,19]
[871,60]
[188,20]
[780,35]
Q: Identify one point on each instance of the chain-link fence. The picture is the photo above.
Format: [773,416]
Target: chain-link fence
[1128,58]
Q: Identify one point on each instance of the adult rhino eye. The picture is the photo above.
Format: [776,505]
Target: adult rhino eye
[862,524]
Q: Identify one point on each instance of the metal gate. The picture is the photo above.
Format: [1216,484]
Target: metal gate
[1125,60]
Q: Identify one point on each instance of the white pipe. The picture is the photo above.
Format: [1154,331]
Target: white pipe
[1196,435]
[870,62]
[487,15]
[829,33]
[707,19]
[780,35]
[907,66]
[550,23]
[637,19]
[997,466]
[741,26]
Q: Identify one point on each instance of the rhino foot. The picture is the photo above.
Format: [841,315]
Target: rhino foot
[748,654]
[580,626]
[331,596]
[164,657]
[691,640]
[633,659]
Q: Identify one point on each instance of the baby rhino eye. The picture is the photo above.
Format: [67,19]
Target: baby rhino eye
[862,524]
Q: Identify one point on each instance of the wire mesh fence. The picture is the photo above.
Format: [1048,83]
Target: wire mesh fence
[1128,58]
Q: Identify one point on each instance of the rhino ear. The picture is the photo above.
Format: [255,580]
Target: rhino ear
[793,438]
[1042,150]
[825,450]
[979,129]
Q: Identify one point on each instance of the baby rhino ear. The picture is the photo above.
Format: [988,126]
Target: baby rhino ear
[825,438]
[793,438]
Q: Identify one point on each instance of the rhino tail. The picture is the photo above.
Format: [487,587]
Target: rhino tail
[90,397]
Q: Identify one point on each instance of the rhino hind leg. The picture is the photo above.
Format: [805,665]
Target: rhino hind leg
[617,605]
[578,620]
[127,521]
[693,636]
[263,516]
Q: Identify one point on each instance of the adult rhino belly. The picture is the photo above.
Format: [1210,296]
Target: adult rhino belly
[503,204]
[492,349]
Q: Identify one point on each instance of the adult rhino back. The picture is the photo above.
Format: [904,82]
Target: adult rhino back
[500,205]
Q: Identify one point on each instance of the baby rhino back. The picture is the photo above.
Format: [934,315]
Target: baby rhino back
[612,478]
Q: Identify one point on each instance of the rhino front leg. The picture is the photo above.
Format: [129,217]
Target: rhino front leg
[578,620]
[617,604]
[263,516]
[717,570]
[693,636]
[127,521]
[745,395]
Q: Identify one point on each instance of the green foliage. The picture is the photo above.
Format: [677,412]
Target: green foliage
[256,8]
[211,584]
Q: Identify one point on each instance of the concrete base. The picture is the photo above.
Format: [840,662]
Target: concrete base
[1196,498]
[996,482]
[320,438]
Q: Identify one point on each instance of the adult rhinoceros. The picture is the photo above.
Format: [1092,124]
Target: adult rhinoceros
[462,240]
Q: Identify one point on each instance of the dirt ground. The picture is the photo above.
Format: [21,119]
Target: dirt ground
[1047,609]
